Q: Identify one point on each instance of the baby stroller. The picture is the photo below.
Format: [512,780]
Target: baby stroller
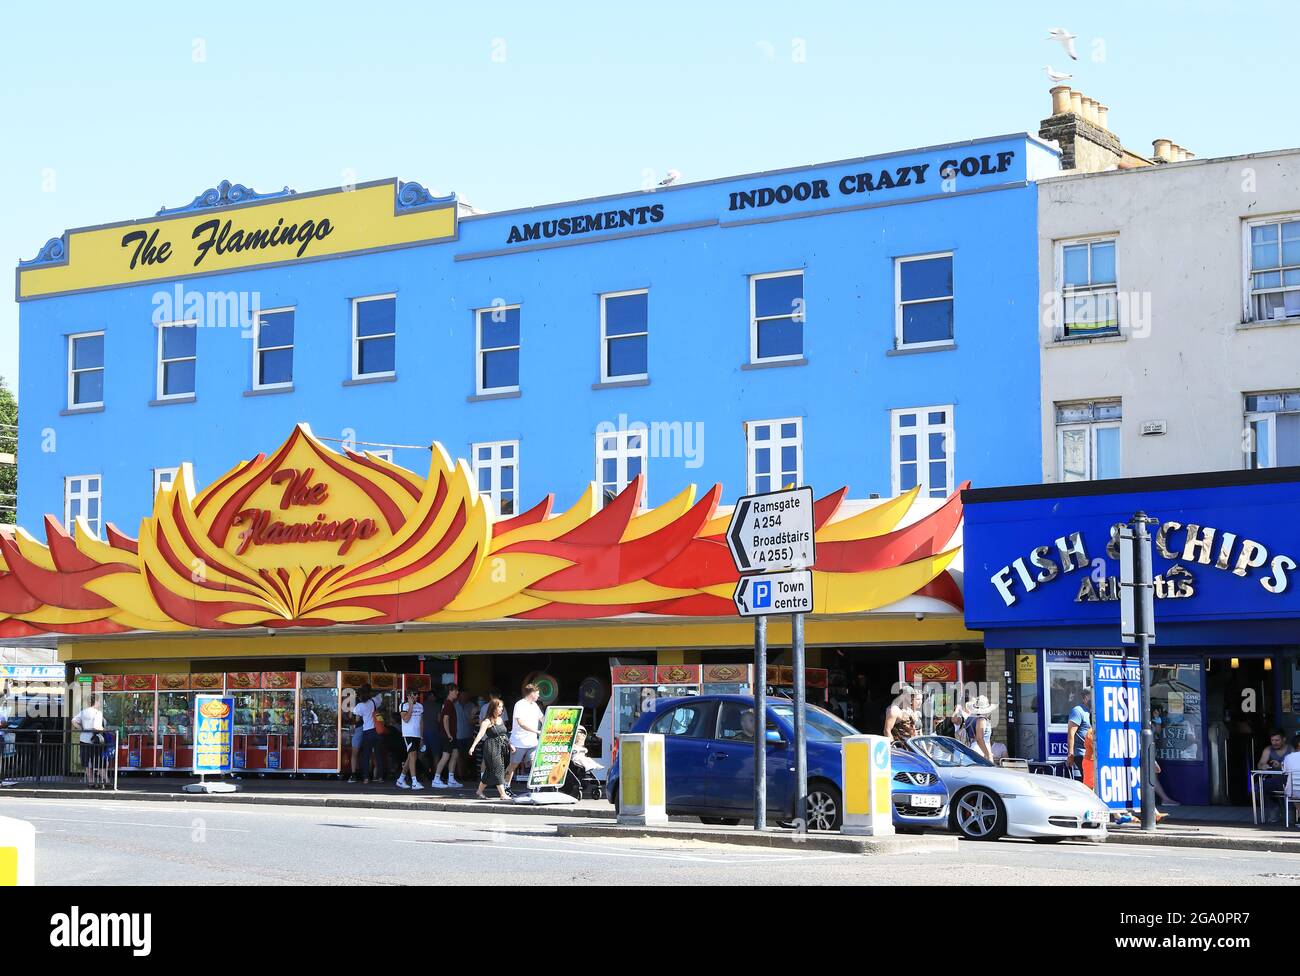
[580,780]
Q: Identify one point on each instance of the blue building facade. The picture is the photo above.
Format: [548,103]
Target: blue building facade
[871,323]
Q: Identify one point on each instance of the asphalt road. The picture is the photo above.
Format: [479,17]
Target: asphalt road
[85,842]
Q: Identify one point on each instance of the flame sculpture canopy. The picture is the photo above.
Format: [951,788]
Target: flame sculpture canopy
[309,537]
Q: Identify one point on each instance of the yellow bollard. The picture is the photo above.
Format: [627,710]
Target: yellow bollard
[17,853]
[641,790]
[868,771]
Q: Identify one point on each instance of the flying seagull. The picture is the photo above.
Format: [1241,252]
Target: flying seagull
[1056,76]
[672,177]
[1065,39]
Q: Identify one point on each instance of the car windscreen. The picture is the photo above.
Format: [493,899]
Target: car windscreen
[943,751]
[822,725]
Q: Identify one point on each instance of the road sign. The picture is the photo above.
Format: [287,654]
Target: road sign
[789,592]
[773,531]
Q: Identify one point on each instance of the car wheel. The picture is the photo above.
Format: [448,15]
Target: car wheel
[720,821]
[978,814]
[825,807]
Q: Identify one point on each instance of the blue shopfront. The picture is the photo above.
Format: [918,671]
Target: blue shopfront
[1042,568]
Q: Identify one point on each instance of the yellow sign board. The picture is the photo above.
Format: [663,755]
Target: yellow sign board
[259,233]
[1026,669]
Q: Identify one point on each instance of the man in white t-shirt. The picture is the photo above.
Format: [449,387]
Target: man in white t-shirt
[365,708]
[408,777]
[90,723]
[524,730]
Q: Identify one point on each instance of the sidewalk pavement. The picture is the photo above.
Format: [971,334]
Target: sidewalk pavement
[1222,836]
[306,792]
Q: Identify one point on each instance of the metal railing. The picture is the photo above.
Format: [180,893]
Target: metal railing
[55,757]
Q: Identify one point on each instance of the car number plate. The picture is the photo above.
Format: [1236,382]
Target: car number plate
[925,800]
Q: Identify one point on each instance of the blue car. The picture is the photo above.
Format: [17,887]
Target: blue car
[709,764]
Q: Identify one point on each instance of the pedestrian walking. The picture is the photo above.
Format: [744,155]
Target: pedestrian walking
[90,723]
[1079,724]
[495,738]
[447,718]
[524,731]
[975,729]
[903,717]
[408,778]
[466,723]
[372,747]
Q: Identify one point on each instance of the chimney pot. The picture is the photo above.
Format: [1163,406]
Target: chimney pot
[1061,100]
[1163,149]
[1102,111]
[1076,103]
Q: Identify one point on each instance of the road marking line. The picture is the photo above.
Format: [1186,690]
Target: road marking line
[139,823]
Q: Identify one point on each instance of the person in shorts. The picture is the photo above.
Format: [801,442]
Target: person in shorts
[525,727]
[408,777]
[90,723]
[447,718]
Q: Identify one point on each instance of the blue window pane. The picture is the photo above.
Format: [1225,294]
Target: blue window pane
[1271,279]
[507,450]
[788,430]
[626,314]
[790,460]
[937,416]
[500,369]
[937,446]
[780,337]
[1263,234]
[178,377]
[628,357]
[762,484]
[507,476]
[931,278]
[500,327]
[1263,256]
[906,477]
[1103,263]
[485,479]
[778,296]
[92,508]
[1291,252]
[938,479]
[92,484]
[376,355]
[275,329]
[927,322]
[1107,452]
[1075,262]
[178,341]
[609,471]
[88,387]
[633,467]
[907,420]
[762,432]
[907,447]
[507,504]
[275,366]
[377,318]
[763,461]
[485,453]
[633,442]
[88,352]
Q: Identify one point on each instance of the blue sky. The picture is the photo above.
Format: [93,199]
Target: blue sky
[110,115]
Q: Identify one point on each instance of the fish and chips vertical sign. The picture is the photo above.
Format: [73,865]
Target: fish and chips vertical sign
[555,745]
[1117,730]
[213,733]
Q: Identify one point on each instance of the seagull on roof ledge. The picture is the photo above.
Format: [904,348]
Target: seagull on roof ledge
[1056,76]
[672,177]
[1065,39]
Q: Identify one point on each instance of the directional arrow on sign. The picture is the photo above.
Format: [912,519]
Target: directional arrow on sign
[791,592]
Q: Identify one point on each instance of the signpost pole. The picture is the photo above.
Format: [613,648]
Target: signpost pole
[760,723]
[1144,613]
[800,718]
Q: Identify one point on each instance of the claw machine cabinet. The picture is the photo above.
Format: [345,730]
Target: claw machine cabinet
[263,735]
[176,716]
[385,685]
[319,723]
[131,710]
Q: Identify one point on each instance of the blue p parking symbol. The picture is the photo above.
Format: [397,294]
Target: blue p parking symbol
[762,594]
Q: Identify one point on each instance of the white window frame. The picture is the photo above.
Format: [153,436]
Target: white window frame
[1063,297]
[620,454]
[775,444]
[479,349]
[357,339]
[494,465]
[383,453]
[1247,293]
[159,474]
[1090,427]
[1268,417]
[83,497]
[799,318]
[923,430]
[72,373]
[605,377]
[899,303]
[162,363]
[257,348]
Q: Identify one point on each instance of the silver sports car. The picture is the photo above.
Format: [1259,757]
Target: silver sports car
[993,801]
